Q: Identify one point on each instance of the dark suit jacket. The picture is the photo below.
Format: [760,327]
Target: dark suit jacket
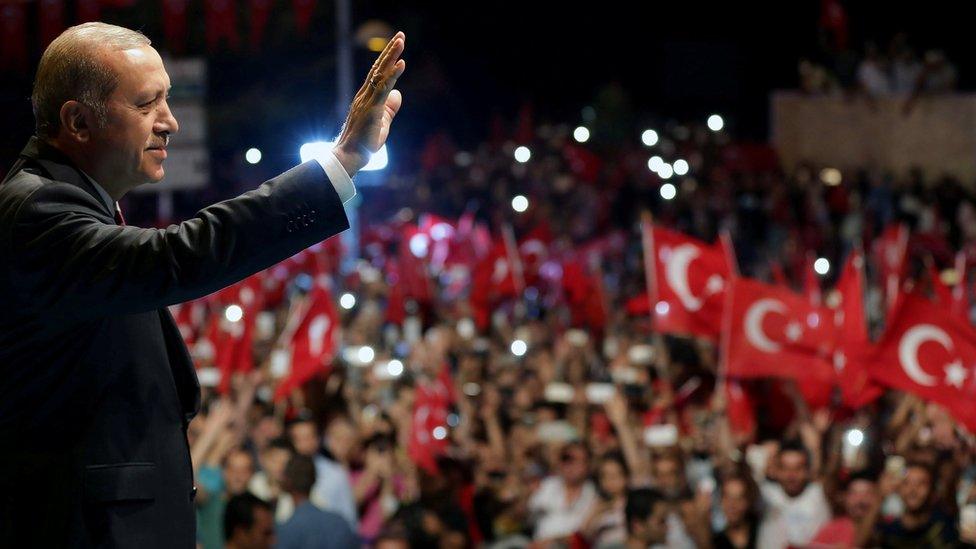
[96,385]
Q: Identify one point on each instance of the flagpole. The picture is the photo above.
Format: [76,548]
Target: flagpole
[515,262]
[721,373]
[650,273]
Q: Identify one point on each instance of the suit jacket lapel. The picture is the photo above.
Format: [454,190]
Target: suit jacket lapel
[59,168]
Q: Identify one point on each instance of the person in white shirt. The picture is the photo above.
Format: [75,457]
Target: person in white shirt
[795,506]
[563,502]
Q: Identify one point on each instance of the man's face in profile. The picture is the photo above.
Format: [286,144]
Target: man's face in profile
[131,147]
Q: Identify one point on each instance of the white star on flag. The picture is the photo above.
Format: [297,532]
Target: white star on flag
[956,374]
[794,331]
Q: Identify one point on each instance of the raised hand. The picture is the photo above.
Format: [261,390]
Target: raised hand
[371,113]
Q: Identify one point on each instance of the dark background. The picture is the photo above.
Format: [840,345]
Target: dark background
[470,61]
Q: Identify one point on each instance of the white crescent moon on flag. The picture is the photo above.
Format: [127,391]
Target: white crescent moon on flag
[676,273]
[911,340]
[753,324]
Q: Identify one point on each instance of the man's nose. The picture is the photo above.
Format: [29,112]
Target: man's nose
[166,121]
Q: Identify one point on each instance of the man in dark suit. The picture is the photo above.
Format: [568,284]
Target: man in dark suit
[96,385]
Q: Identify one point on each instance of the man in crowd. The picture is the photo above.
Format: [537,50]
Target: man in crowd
[796,506]
[333,489]
[310,527]
[563,501]
[248,523]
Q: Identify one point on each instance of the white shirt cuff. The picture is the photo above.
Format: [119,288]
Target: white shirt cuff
[338,176]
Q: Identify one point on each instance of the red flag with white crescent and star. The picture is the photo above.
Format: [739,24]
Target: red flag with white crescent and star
[929,353]
[774,332]
[856,387]
[687,281]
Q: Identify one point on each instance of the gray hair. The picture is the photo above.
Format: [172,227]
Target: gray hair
[70,69]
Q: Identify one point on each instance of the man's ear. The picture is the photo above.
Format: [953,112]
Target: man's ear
[76,121]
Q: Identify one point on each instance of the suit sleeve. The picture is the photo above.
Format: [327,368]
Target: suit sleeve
[70,261]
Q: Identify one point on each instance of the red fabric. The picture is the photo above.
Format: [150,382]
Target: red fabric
[314,343]
[856,387]
[584,295]
[775,332]
[941,292]
[688,283]
[740,409]
[234,341]
[430,409]
[174,25]
[221,24]
[304,9]
[260,11]
[930,354]
[890,255]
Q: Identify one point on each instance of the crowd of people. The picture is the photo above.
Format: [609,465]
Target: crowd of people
[876,72]
[540,428]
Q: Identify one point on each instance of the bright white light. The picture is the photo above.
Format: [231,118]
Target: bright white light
[440,231]
[662,308]
[394,367]
[347,301]
[665,171]
[519,347]
[234,313]
[520,203]
[419,244]
[523,154]
[715,123]
[855,437]
[680,166]
[831,176]
[654,163]
[649,138]
[440,433]
[821,266]
[366,354]
[253,155]
[581,134]
[321,149]
[668,191]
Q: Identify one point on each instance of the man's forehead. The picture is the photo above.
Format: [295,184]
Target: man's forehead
[141,66]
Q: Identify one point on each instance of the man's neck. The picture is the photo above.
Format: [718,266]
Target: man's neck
[79,159]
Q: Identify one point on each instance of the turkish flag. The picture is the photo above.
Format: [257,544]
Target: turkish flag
[856,387]
[774,332]
[314,343]
[232,337]
[584,295]
[891,254]
[930,354]
[428,431]
[687,283]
